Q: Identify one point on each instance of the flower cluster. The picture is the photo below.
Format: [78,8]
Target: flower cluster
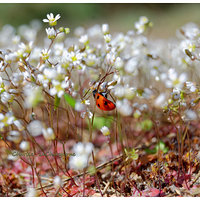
[82,152]
[47,84]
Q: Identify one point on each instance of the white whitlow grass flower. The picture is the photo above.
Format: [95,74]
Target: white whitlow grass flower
[31,192]
[141,24]
[6,97]
[82,152]
[83,148]
[176,94]
[2,66]
[187,44]
[84,39]
[57,182]
[190,115]
[45,54]
[105,130]
[78,162]
[124,107]
[131,65]
[10,57]
[105,29]
[33,96]
[59,87]
[51,33]
[24,146]
[91,60]
[80,107]
[14,136]
[51,19]
[191,86]
[119,91]
[35,128]
[48,134]
[16,39]
[107,38]
[6,120]
[129,93]
[19,125]
[160,100]
[47,75]
[174,80]
[13,156]
[75,57]
[119,63]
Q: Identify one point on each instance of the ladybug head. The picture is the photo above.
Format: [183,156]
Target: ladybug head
[94,92]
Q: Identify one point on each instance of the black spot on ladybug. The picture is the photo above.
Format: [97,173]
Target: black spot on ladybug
[105,103]
[98,97]
[98,105]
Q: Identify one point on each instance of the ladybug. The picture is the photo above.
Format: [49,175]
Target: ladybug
[102,102]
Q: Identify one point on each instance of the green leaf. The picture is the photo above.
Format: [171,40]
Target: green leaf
[161,145]
[146,125]
[92,170]
[99,122]
[131,154]
[70,100]
[56,102]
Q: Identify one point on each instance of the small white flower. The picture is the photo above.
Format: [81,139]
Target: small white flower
[14,136]
[10,57]
[124,107]
[33,96]
[57,182]
[119,63]
[107,38]
[16,39]
[190,115]
[31,192]
[35,128]
[75,57]
[18,124]
[6,97]
[58,88]
[129,93]
[51,33]
[24,145]
[83,148]
[105,29]
[191,86]
[13,156]
[45,54]
[141,24]
[48,134]
[51,19]
[78,162]
[105,130]
[80,107]
[84,39]
[131,65]
[174,80]
[50,73]
[119,91]
[160,100]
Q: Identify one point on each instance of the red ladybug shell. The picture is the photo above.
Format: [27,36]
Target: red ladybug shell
[102,102]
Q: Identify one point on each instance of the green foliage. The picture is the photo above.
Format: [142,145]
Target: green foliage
[131,154]
[161,145]
[70,100]
[146,125]
[56,102]
[99,122]
[92,170]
